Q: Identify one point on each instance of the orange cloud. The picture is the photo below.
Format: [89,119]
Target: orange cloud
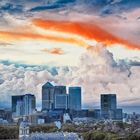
[56,51]
[84,31]
[7,35]
[87,30]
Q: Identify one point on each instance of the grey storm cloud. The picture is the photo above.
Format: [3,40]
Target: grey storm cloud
[117,6]
[102,7]
[53,70]
[11,8]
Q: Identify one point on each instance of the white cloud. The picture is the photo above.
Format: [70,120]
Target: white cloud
[99,73]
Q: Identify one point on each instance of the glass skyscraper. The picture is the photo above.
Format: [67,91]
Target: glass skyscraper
[75,98]
[109,107]
[15,99]
[19,108]
[108,101]
[49,94]
[29,104]
[23,105]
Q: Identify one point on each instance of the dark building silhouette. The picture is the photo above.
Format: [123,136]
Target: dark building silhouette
[75,98]
[109,107]
[6,115]
[23,105]
[15,99]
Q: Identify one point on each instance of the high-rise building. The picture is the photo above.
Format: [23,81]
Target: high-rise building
[108,101]
[109,108]
[20,108]
[75,98]
[60,97]
[47,96]
[49,93]
[61,101]
[15,99]
[108,105]
[29,104]
[23,105]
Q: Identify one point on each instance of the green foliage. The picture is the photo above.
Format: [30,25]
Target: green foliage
[121,125]
[76,128]
[134,137]
[9,132]
[100,136]
[12,132]
[43,128]
[69,128]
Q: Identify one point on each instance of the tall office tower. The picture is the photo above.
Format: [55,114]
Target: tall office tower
[19,108]
[47,96]
[108,106]
[75,98]
[61,101]
[15,99]
[29,104]
[60,98]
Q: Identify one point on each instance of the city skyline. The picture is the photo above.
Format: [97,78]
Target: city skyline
[65,90]
[57,102]
[93,44]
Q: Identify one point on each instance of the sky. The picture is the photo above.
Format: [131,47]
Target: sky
[90,43]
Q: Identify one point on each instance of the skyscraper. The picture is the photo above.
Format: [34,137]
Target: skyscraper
[75,98]
[47,96]
[109,107]
[20,108]
[23,105]
[60,98]
[29,104]
[49,93]
[108,101]
[108,104]
[15,99]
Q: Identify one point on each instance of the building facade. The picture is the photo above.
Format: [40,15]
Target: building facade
[109,107]
[20,108]
[75,98]
[14,101]
[59,90]
[61,101]
[47,96]
[29,104]
[23,105]
[51,96]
